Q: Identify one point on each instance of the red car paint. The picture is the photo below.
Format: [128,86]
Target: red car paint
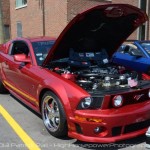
[28,81]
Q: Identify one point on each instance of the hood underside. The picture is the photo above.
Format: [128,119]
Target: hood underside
[102,27]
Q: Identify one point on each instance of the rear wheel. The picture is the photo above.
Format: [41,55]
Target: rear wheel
[53,115]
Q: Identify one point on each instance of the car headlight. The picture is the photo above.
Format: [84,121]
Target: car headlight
[117,101]
[90,103]
[86,102]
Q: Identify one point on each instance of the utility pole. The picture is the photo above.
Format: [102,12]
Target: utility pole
[1,25]
[43,13]
[42,6]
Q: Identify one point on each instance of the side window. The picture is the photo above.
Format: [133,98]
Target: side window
[19,48]
[132,49]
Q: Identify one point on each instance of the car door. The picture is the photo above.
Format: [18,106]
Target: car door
[19,76]
[124,57]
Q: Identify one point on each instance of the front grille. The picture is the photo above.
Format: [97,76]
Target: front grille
[135,97]
[97,102]
[116,131]
[136,126]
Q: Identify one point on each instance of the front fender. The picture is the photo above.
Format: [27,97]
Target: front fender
[58,89]
[68,92]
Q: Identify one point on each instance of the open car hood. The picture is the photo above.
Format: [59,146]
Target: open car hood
[101,27]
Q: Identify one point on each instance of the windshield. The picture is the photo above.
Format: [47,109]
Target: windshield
[146,46]
[41,49]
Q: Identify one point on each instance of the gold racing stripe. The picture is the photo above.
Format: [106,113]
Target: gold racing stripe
[19,91]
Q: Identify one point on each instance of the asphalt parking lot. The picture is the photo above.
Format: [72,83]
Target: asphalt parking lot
[20,128]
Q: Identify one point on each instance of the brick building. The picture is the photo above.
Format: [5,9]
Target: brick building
[6,18]
[28,18]
[31,18]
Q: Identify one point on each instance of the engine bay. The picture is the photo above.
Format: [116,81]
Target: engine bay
[95,77]
[95,72]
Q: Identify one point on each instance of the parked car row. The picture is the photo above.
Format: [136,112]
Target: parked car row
[76,83]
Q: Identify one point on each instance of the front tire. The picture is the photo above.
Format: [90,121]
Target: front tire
[53,115]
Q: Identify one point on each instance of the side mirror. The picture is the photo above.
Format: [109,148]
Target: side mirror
[22,58]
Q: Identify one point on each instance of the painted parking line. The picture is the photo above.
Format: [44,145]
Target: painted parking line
[30,144]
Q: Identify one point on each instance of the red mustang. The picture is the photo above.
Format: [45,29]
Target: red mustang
[72,82]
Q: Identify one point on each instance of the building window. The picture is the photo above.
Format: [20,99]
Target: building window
[7,32]
[142,32]
[19,29]
[21,3]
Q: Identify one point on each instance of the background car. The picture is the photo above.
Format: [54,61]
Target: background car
[135,56]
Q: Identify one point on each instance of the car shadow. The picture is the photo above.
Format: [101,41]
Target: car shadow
[114,146]
[34,112]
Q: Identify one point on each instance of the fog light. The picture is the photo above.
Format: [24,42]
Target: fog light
[149,93]
[97,130]
[118,101]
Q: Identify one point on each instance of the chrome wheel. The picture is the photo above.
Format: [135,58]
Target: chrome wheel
[51,113]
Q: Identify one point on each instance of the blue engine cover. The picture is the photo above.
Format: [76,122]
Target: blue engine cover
[86,59]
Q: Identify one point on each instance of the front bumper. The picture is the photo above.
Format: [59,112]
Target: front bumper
[115,124]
